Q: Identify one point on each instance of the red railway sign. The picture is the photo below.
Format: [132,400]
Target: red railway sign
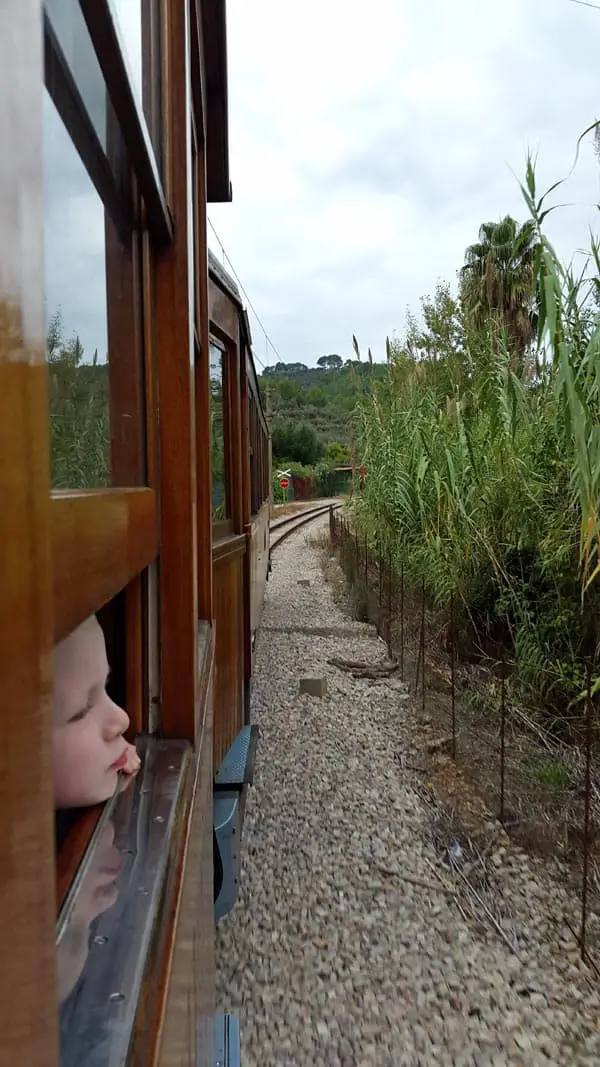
[284,483]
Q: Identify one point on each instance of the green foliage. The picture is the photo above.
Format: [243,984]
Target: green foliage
[552,773]
[484,474]
[79,413]
[296,442]
[322,397]
[332,362]
[335,455]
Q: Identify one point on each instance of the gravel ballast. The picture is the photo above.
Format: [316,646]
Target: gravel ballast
[331,956]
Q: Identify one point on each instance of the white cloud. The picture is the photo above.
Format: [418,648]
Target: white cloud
[368,143]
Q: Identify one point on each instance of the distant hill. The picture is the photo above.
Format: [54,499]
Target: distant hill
[322,397]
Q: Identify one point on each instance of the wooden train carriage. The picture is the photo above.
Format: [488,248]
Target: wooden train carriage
[127,490]
[241,507]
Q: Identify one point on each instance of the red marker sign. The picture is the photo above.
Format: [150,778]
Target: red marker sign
[284,483]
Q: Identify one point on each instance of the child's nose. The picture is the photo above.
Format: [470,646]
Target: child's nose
[117,720]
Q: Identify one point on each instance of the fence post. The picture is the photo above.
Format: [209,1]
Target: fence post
[423,640]
[367,562]
[502,731]
[586,809]
[453,676]
[331,527]
[402,622]
[389,607]
[380,569]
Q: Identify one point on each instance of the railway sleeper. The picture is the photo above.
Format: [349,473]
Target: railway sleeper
[230,788]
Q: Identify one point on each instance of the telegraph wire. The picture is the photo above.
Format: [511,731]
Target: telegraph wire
[250,304]
[586,3]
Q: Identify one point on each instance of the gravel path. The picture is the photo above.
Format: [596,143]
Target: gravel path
[330,956]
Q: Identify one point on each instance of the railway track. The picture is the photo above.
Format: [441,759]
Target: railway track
[283,528]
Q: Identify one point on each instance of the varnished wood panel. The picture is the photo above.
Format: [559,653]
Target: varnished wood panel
[100,541]
[228,589]
[217,130]
[28,1016]
[202,393]
[175,354]
[125,367]
[186,1035]
[259,561]
[223,312]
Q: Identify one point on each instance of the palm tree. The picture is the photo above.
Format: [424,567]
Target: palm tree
[497,281]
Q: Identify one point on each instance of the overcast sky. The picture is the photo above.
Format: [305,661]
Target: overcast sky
[369,141]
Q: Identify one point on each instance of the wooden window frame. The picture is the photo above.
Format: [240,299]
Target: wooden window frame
[225,527]
[111,57]
[68,101]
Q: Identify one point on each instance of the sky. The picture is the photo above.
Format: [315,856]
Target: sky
[369,142]
[367,145]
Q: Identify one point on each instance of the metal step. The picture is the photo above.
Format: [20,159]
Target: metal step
[228,1047]
[237,767]
[227,822]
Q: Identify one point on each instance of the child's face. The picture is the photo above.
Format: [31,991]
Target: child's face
[89,747]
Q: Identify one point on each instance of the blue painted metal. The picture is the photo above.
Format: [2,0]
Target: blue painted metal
[228,1045]
[237,768]
[227,820]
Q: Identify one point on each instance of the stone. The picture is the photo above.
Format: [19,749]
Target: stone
[306,582]
[332,956]
[314,687]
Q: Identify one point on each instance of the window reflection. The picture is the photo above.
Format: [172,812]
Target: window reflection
[129,20]
[139,26]
[97,893]
[218,441]
[68,23]
[95,416]
[76,311]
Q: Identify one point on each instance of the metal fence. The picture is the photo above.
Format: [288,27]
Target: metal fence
[543,791]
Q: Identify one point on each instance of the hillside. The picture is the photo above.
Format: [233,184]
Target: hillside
[321,398]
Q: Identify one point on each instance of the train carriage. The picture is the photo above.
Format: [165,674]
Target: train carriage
[134,480]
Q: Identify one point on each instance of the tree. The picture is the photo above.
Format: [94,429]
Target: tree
[316,397]
[296,443]
[331,362]
[335,455]
[497,281]
[79,412]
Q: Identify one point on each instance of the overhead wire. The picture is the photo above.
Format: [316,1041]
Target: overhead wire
[586,3]
[250,304]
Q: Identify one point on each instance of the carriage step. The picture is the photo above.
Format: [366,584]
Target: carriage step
[228,818]
[237,768]
[228,1048]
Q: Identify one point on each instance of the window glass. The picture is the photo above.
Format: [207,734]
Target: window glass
[129,20]
[139,26]
[73,40]
[89,425]
[218,435]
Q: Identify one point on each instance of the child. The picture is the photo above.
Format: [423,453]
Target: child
[89,747]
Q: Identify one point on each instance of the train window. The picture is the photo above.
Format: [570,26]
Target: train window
[69,50]
[219,435]
[140,24]
[94,428]
[77,344]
